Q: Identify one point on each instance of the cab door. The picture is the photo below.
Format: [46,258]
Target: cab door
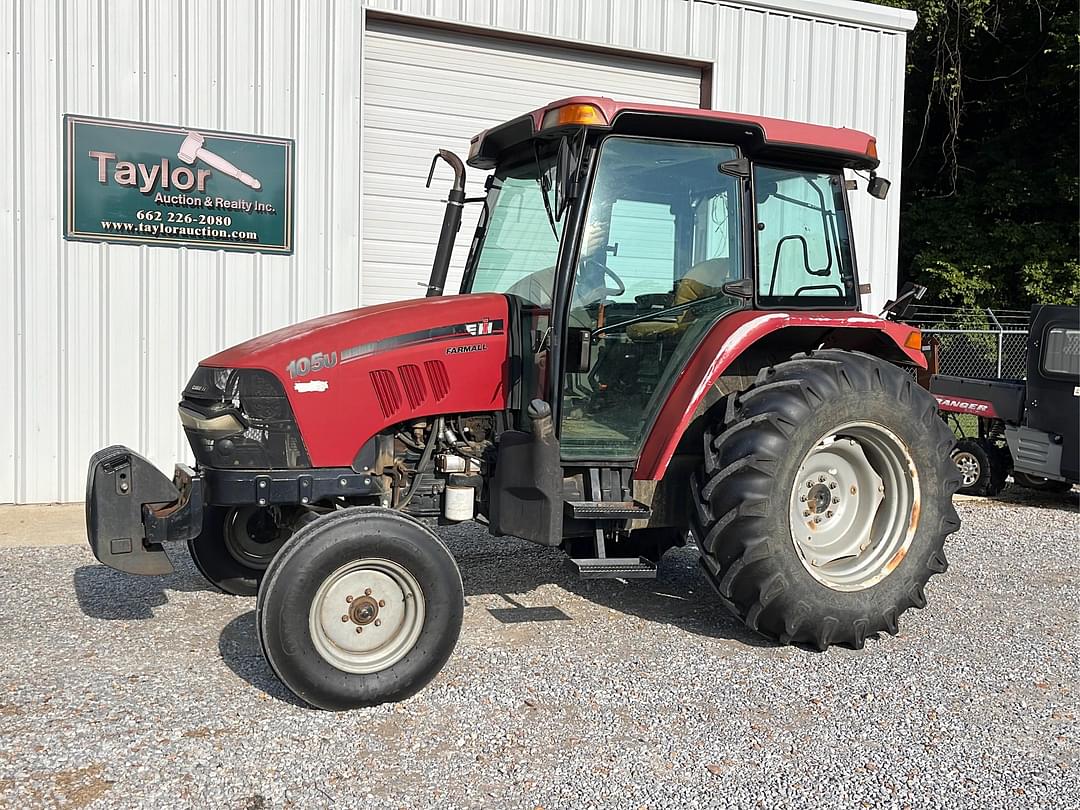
[662,235]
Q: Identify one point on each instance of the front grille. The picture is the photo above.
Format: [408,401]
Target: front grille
[269,438]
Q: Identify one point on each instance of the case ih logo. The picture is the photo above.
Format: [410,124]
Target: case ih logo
[484,327]
[965,405]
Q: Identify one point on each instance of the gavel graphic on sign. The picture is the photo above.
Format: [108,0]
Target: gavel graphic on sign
[192,149]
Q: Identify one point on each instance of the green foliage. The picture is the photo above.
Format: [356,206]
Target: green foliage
[990,206]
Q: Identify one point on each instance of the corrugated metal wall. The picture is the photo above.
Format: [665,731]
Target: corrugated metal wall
[98,339]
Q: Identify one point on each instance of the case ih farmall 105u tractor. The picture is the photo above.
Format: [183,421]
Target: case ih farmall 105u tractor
[658,333]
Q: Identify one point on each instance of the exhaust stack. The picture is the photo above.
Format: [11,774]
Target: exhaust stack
[455,201]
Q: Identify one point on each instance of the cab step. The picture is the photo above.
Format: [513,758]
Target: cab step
[615,568]
[608,510]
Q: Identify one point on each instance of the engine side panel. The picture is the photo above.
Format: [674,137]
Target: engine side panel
[350,375]
[726,341]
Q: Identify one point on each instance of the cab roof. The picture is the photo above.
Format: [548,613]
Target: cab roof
[758,135]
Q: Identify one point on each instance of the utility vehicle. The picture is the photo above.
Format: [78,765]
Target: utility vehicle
[658,333]
[1028,427]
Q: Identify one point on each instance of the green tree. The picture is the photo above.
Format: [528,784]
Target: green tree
[989,212]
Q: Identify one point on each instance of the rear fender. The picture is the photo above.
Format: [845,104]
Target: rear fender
[739,332]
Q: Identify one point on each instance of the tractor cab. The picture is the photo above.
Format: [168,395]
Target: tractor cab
[623,235]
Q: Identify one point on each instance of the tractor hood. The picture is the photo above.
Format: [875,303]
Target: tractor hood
[345,336]
[351,375]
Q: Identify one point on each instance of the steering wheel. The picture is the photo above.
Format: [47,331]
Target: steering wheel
[613,292]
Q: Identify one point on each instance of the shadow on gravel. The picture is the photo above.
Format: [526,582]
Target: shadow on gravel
[104,593]
[1014,495]
[240,650]
[679,596]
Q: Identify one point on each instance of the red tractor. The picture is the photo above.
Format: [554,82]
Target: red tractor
[658,334]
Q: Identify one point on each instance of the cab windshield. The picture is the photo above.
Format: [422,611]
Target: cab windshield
[520,247]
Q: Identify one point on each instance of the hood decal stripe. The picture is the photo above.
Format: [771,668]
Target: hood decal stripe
[483,328]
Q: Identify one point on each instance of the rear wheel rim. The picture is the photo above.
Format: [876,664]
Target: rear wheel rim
[969,467]
[366,616]
[854,506]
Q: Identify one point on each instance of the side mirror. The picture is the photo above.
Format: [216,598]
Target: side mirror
[878,187]
[565,177]
[578,350]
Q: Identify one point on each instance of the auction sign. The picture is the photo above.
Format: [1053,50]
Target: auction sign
[160,185]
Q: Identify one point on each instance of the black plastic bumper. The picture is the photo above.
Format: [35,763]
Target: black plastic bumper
[132,508]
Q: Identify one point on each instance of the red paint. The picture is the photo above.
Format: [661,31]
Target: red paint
[979,407]
[777,131]
[336,422]
[721,346]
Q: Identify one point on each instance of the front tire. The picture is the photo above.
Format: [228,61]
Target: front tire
[982,467]
[237,544]
[362,606]
[824,499]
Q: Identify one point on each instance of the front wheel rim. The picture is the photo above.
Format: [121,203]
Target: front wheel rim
[366,616]
[854,506]
[254,534]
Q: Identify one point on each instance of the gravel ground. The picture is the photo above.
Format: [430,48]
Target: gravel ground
[125,691]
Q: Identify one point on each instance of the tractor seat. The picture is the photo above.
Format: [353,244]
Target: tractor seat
[704,279]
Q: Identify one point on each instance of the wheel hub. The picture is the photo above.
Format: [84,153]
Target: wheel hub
[366,616]
[854,506]
[363,611]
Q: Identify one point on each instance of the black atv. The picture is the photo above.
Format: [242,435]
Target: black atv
[1030,427]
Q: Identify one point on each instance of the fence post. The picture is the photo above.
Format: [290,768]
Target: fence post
[1000,340]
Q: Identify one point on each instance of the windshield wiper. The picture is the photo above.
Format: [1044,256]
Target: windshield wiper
[545,187]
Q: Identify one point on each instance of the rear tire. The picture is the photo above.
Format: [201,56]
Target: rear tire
[983,467]
[860,424]
[362,606]
[1041,484]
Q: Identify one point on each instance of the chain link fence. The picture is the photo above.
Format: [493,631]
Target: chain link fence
[982,343]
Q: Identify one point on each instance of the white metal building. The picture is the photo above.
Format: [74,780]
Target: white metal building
[98,339]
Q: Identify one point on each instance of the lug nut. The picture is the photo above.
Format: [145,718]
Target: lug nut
[821,479]
[349,598]
[378,622]
[382,603]
[817,518]
[367,591]
[832,485]
[809,484]
[806,513]
[359,629]
[344,618]
[828,514]
[802,498]
[836,500]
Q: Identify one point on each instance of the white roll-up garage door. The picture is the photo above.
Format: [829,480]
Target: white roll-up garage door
[426,89]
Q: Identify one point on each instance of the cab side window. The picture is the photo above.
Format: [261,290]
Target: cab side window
[803,246]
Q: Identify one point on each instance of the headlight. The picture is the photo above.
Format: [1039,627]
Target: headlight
[213,427]
[212,384]
[241,419]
